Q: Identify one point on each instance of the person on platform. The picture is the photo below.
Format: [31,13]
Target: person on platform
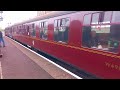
[1,39]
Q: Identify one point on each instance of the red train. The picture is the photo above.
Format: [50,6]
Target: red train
[88,40]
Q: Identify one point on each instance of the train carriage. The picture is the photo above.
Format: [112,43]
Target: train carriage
[87,40]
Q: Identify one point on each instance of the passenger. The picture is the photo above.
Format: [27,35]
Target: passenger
[94,39]
[1,39]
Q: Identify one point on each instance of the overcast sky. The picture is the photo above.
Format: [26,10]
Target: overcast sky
[16,16]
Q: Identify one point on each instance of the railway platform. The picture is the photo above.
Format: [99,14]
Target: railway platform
[19,62]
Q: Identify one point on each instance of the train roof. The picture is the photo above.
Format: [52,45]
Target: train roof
[49,15]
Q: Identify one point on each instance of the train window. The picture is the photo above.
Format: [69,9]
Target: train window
[41,33]
[63,22]
[116,16]
[44,30]
[20,29]
[30,30]
[67,22]
[40,24]
[87,19]
[95,18]
[101,17]
[33,29]
[56,29]
[17,31]
[46,24]
[55,23]
[102,36]
[59,23]
[114,39]
[61,32]
[25,30]
[14,30]
[107,17]
[28,33]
